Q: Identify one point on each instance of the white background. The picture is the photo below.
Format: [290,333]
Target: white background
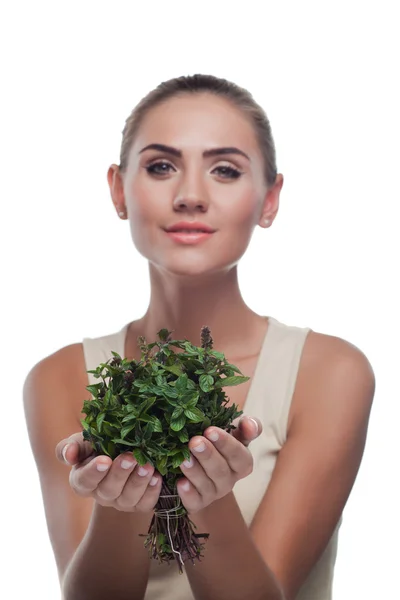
[327,75]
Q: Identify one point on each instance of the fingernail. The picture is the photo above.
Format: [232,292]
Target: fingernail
[188,463]
[102,466]
[185,486]
[213,436]
[200,447]
[64,450]
[255,423]
[153,481]
[127,464]
[142,472]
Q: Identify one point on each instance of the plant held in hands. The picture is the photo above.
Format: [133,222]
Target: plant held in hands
[153,407]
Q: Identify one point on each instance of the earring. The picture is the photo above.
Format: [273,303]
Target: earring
[267,222]
[121,213]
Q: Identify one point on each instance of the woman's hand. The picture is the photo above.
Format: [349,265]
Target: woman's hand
[219,460]
[119,483]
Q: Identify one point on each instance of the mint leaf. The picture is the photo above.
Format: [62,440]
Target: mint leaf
[194,415]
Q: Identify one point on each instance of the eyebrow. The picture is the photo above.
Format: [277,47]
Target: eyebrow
[206,153]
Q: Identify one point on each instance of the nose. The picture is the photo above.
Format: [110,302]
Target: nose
[191,194]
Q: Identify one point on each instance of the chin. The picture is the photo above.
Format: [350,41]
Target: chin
[189,267]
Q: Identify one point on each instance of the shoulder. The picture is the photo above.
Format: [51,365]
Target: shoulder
[329,351]
[57,382]
[64,363]
[333,374]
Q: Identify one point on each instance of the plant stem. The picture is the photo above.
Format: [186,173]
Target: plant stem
[171,533]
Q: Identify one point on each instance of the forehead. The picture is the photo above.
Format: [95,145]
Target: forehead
[200,120]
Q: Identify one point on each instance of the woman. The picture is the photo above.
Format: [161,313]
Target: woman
[197,152]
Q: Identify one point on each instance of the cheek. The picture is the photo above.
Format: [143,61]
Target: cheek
[144,217]
[242,213]
[141,202]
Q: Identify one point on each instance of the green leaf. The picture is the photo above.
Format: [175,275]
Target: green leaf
[189,397]
[177,413]
[140,457]
[206,382]
[235,368]
[103,448]
[175,369]
[192,351]
[161,465]
[186,453]
[131,418]
[179,423]
[160,380]
[99,421]
[145,418]
[124,442]
[110,430]
[148,403]
[125,430]
[218,355]
[192,403]
[178,459]
[194,415]
[94,388]
[183,436]
[111,450]
[161,539]
[172,402]
[157,424]
[163,334]
[181,383]
[206,423]
[148,430]
[230,381]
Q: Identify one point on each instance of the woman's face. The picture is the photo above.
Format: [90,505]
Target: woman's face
[225,191]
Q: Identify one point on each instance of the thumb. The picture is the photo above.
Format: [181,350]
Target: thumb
[74,449]
[248,429]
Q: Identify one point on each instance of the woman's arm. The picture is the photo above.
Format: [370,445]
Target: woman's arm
[312,480]
[110,561]
[97,549]
[318,464]
[232,567]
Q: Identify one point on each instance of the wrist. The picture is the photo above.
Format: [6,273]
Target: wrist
[222,519]
[110,516]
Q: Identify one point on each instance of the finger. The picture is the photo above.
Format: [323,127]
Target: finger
[135,486]
[150,497]
[207,470]
[248,429]
[236,454]
[190,497]
[73,449]
[85,477]
[111,486]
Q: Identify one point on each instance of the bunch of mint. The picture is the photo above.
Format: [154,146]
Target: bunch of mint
[152,407]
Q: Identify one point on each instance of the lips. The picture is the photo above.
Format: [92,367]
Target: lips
[188,231]
[191,238]
[190,227]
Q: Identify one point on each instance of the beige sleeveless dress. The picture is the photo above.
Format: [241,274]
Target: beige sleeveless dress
[269,399]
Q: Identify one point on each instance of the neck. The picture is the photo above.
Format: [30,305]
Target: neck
[185,304]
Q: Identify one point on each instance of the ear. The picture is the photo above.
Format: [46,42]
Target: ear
[271,201]
[116,184]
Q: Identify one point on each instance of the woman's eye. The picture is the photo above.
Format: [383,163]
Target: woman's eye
[163,168]
[229,172]
[158,168]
